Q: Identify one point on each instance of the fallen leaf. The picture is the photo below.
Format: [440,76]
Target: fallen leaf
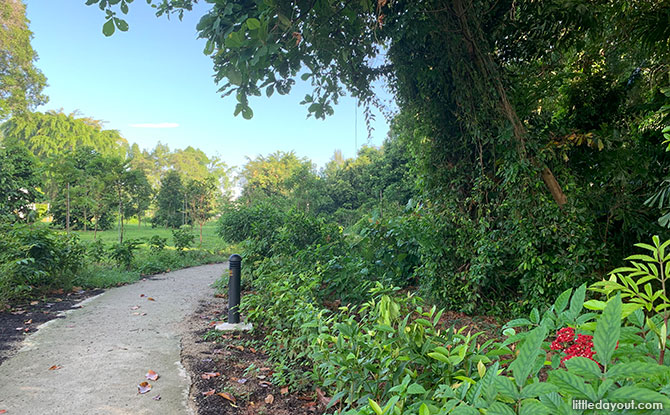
[219,296]
[309,404]
[136,314]
[265,384]
[209,392]
[156,398]
[242,381]
[269,399]
[284,390]
[226,395]
[150,299]
[143,314]
[151,375]
[142,295]
[55,367]
[34,302]
[135,307]
[210,375]
[3,411]
[240,348]
[264,369]
[77,289]
[143,387]
[323,399]
[58,300]
[28,322]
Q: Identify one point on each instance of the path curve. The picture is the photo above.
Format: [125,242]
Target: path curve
[105,348]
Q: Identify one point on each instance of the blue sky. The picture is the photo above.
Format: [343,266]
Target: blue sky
[156,73]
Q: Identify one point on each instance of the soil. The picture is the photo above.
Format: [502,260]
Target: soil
[19,321]
[242,384]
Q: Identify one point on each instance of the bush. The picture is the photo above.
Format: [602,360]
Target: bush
[257,222]
[124,253]
[157,244]
[183,238]
[36,258]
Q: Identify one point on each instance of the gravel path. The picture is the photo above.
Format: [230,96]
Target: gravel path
[100,352]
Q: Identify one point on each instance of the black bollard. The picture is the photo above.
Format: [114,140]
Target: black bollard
[235,266]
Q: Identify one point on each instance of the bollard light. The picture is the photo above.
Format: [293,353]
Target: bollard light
[235,267]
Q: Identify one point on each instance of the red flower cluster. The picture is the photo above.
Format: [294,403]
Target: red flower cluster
[565,341]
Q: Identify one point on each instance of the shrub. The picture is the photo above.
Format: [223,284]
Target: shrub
[124,253]
[157,244]
[36,258]
[183,238]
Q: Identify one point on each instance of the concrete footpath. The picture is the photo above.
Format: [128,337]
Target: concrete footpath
[91,361]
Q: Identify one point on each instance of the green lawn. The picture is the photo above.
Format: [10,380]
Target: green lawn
[210,240]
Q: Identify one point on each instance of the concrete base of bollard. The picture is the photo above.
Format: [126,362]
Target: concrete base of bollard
[234,327]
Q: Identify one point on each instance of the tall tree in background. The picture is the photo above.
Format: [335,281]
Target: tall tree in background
[55,133]
[170,201]
[140,195]
[201,196]
[21,83]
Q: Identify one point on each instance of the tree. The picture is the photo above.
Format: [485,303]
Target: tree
[18,182]
[140,195]
[170,201]
[201,195]
[55,133]
[21,83]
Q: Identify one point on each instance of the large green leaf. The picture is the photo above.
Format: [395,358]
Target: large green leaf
[577,302]
[536,389]
[108,28]
[528,352]
[636,393]
[562,301]
[572,384]
[585,367]
[608,329]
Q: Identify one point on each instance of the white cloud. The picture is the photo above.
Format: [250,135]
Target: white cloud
[158,125]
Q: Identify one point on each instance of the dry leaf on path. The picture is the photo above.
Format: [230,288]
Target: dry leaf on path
[135,307]
[28,322]
[3,411]
[55,367]
[264,383]
[142,295]
[210,375]
[151,375]
[143,387]
[209,392]
[269,399]
[156,398]
[240,348]
[284,390]
[34,302]
[226,395]
[150,299]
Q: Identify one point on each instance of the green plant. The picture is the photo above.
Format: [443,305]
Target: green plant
[157,244]
[124,253]
[183,238]
[97,251]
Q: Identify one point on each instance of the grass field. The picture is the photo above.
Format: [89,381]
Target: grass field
[210,240]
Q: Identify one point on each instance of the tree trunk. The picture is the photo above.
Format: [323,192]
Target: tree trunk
[200,233]
[488,69]
[67,209]
[95,232]
[85,219]
[120,219]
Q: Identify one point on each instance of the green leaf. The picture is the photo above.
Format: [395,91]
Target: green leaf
[562,301]
[499,408]
[524,362]
[124,8]
[439,356]
[415,389]
[209,47]
[595,305]
[636,370]
[535,316]
[121,24]
[608,329]
[253,23]
[536,389]
[519,322]
[583,366]
[572,384]
[629,393]
[533,407]
[506,387]
[108,28]
[423,409]
[577,301]
[375,407]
